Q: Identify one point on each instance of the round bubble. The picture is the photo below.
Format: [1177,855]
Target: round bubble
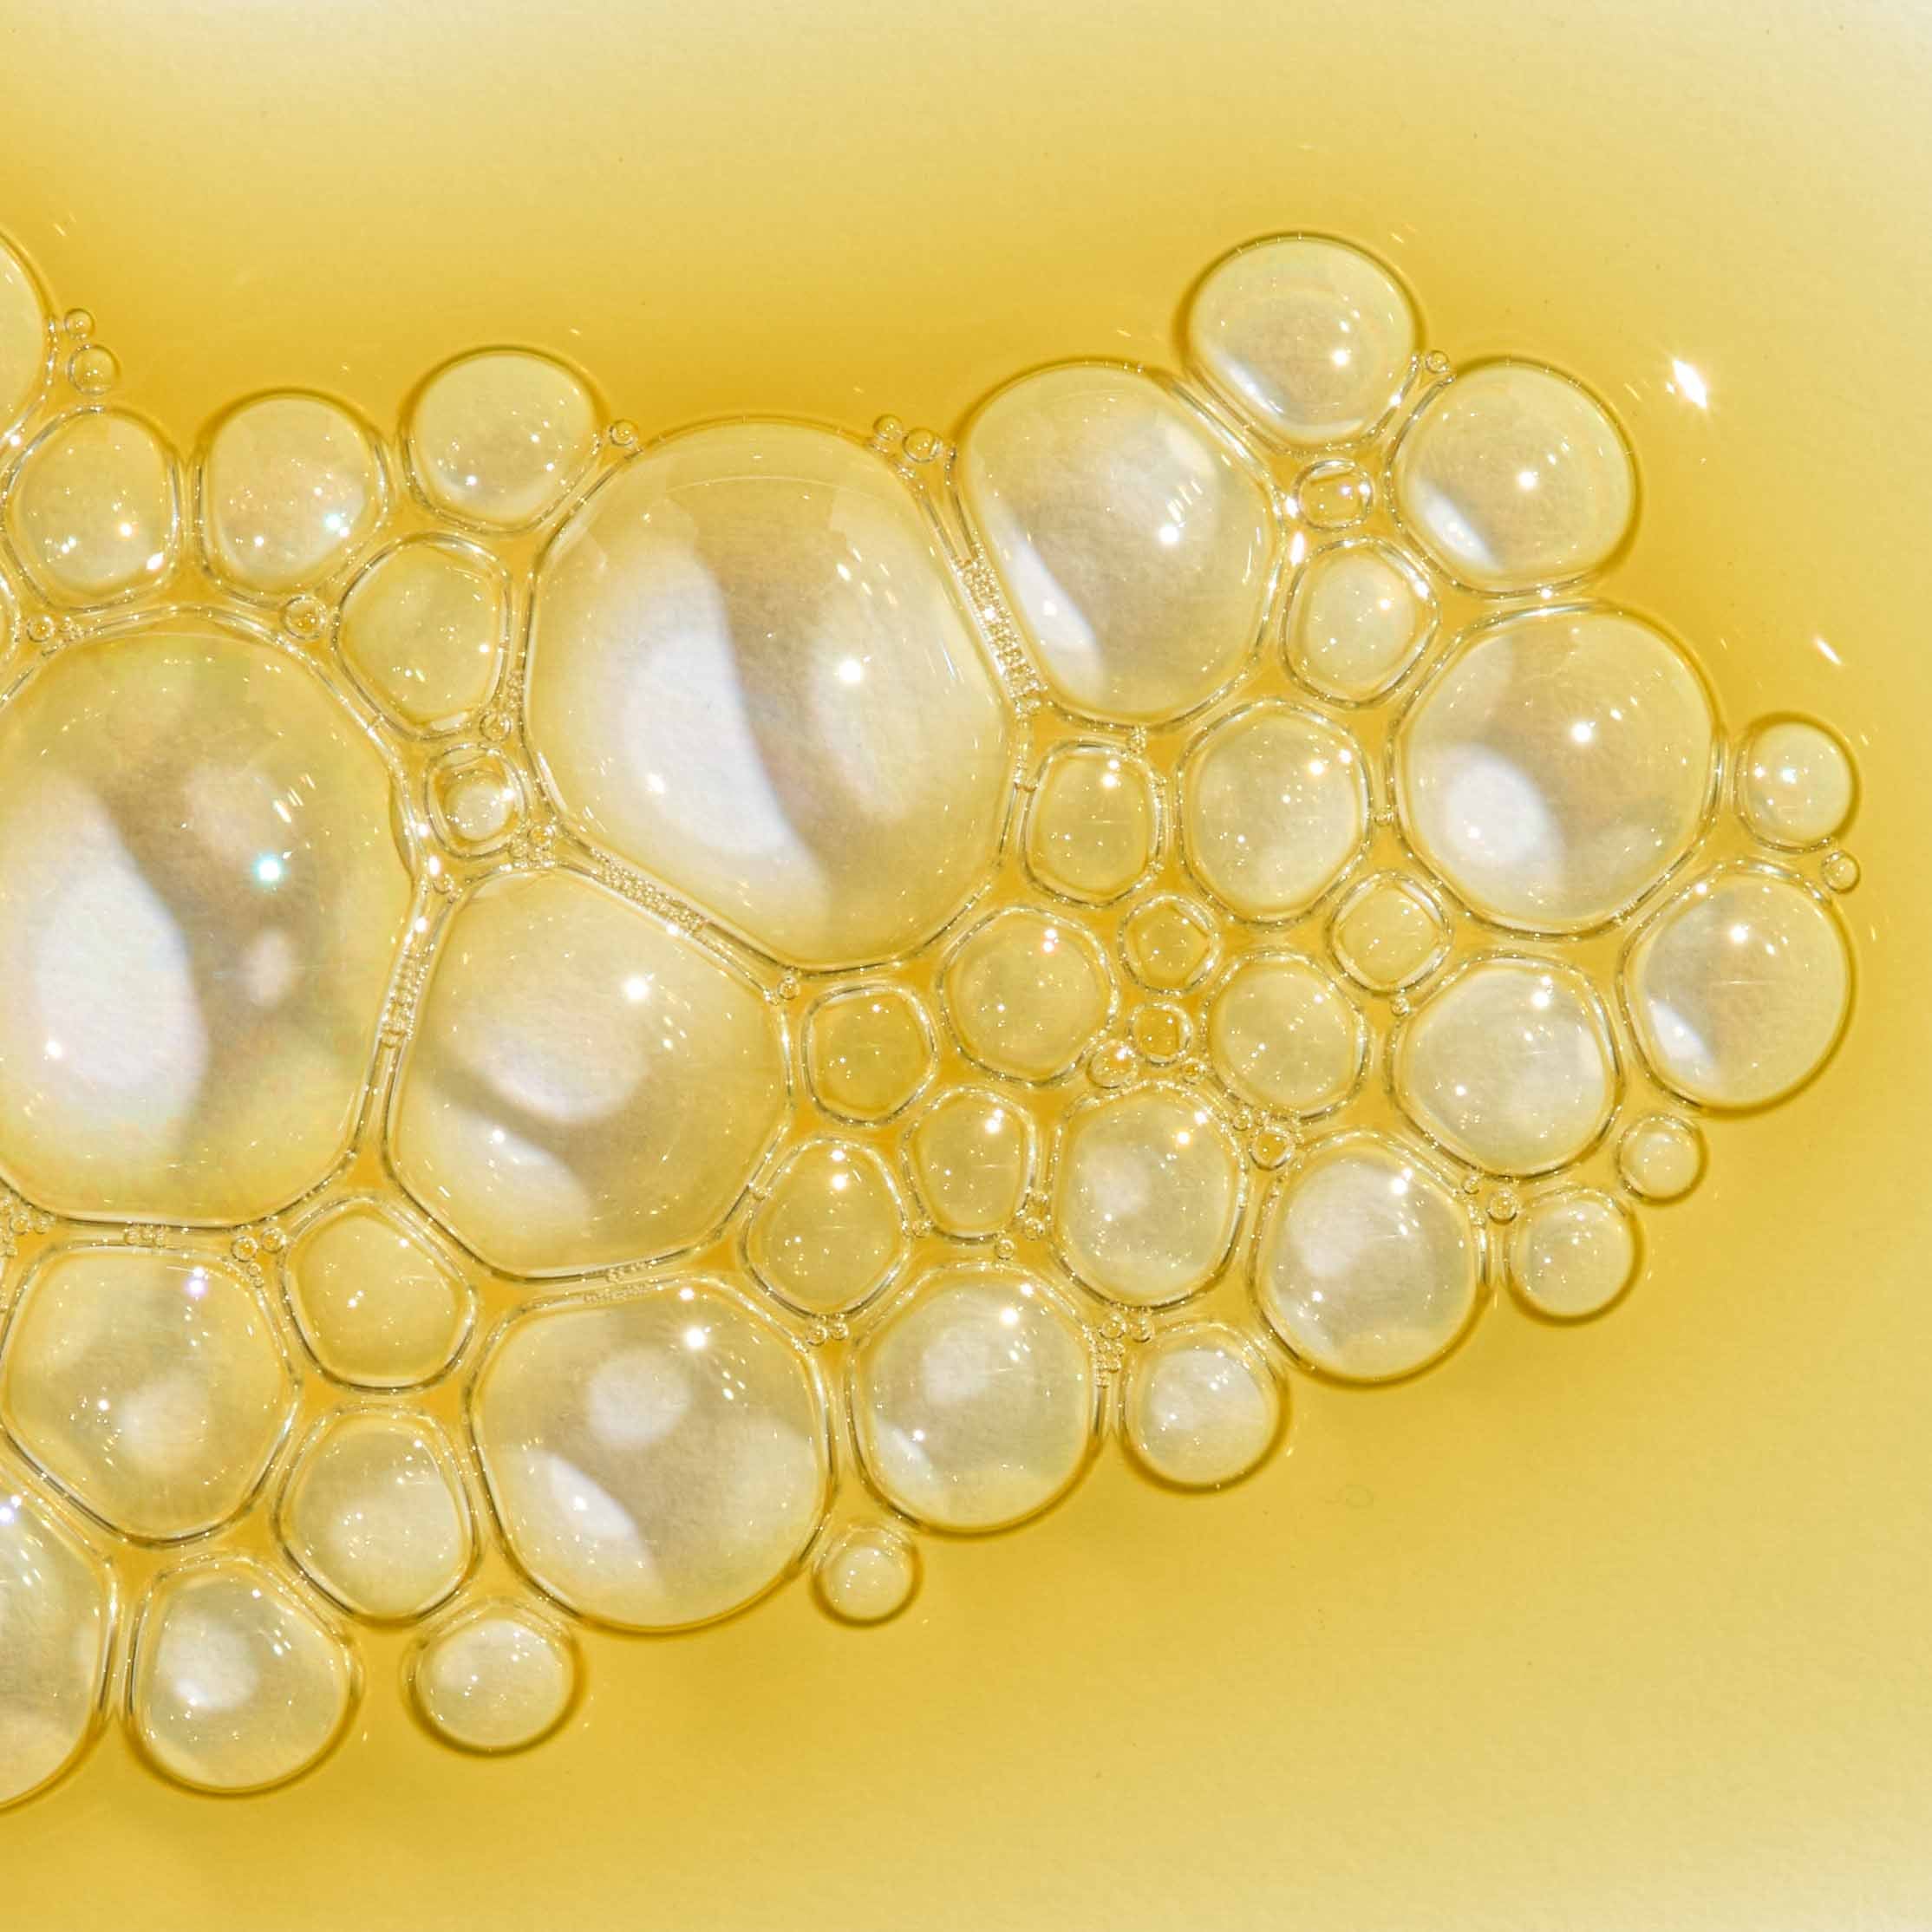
[1026,992]
[972,1158]
[1574,1253]
[1282,1034]
[1796,786]
[868,1573]
[1092,823]
[92,513]
[1360,617]
[828,1234]
[499,1676]
[1201,1408]
[1660,1158]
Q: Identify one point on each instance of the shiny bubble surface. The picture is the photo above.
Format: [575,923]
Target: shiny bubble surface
[1274,806]
[23,337]
[1092,823]
[92,511]
[148,1384]
[1559,767]
[1360,617]
[1311,340]
[829,1233]
[1135,551]
[750,674]
[586,1085]
[475,800]
[290,487]
[499,1676]
[421,632]
[1796,785]
[868,1051]
[971,1155]
[499,437]
[1283,1034]
[1508,1066]
[1201,1408]
[1738,989]
[866,1574]
[1513,476]
[1574,1253]
[1660,1157]
[1169,944]
[374,1513]
[200,903]
[973,1403]
[1026,993]
[236,1684]
[1388,933]
[656,1460]
[1146,1196]
[1367,1267]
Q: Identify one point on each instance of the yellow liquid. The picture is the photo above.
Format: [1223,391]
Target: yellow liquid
[1597,1626]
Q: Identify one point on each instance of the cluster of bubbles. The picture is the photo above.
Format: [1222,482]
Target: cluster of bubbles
[594,1025]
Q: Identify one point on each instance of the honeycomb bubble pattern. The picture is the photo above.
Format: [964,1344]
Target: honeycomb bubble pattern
[706,1011]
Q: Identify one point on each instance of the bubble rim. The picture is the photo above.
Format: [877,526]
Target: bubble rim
[1413,574]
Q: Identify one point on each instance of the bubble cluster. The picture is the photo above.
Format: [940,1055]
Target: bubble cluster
[598,1022]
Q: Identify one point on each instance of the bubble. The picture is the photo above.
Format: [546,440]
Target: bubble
[148,1384]
[498,1676]
[1160,1032]
[236,1684]
[1334,496]
[1169,944]
[57,1619]
[971,1156]
[499,437]
[1274,806]
[1660,1158]
[421,632]
[1282,1034]
[585,1084]
[1113,1063]
[868,1052]
[1202,1408]
[92,513]
[1312,341]
[373,1301]
[828,1236]
[1360,617]
[1093,823]
[657,1459]
[1026,992]
[1367,1267]
[196,948]
[1135,551]
[1840,871]
[290,487]
[1146,1196]
[475,801]
[375,1514]
[974,1404]
[78,323]
[23,338]
[1738,989]
[1795,782]
[1558,768]
[1574,1253]
[868,1573]
[94,370]
[1513,476]
[1508,1064]
[750,674]
[1389,933]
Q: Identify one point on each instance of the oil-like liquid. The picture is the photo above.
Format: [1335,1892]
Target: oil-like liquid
[1240,1049]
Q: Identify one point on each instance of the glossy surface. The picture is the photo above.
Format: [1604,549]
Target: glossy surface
[1283,1034]
[1574,1253]
[1026,992]
[867,1051]
[94,512]
[496,1677]
[1091,823]
[972,1155]
[1201,1408]
[866,1574]
[421,632]
[1660,1157]
[1360,615]
[1795,784]
[828,1235]
[1388,933]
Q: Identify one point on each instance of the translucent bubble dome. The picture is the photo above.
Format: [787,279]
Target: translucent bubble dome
[599,1021]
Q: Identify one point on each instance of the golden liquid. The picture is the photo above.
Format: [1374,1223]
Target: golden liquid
[1622,1624]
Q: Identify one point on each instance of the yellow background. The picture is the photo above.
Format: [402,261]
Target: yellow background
[1625,1626]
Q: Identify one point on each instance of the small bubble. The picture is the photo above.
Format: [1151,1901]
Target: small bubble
[304,616]
[623,434]
[1161,1033]
[922,445]
[79,324]
[1006,1247]
[888,429]
[1271,1144]
[1113,1063]
[42,629]
[93,370]
[1504,1205]
[1840,871]
[1333,495]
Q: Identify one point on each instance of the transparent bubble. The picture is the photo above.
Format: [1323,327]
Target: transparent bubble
[1146,1196]
[23,337]
[1135,551]
[1335,495]
[1169,944]
[148,1384]
[1360,617]
[1558,768]
[868,1051]
[375,1514]
[1513,476]
[56,1617]
[656,1460]
[94,370]
[1740,989]
[236,1684]
[1796,786]
[1026,992]
[585,1084]
[1509,1066]
[1840,871]
[476,800]
[92,513]
[1310,339]
[750,674]
[1274,806]
[829,1234]
[500,437]
[1202,1408]
[1574,1253]
[972,1160]
[422,630]
[498,1676]
[1160,1032]
[290,487]
[1282,1034]
[1369,1267]
[1389,933]
[1660,1158]
[1092,823]
[868,1573]
[973,1403]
